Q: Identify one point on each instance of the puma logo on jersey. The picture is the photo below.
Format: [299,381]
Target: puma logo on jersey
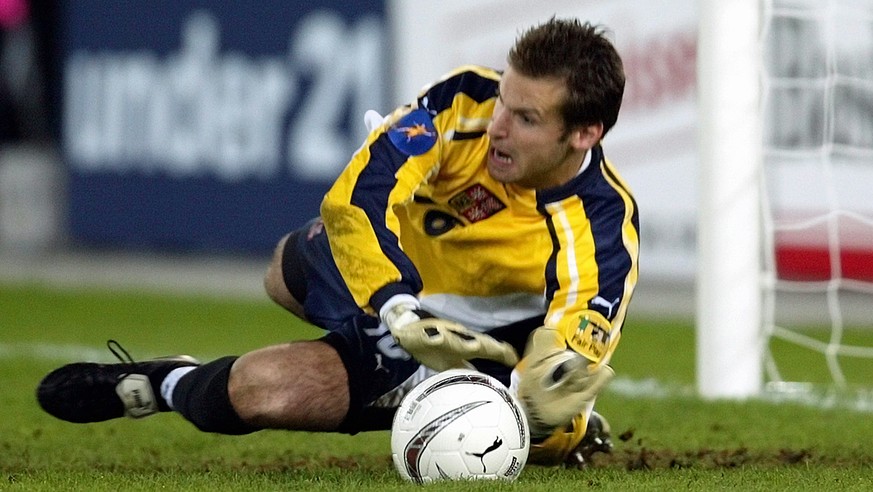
[599,301]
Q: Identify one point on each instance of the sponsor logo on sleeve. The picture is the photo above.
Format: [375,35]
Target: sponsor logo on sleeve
[591,338]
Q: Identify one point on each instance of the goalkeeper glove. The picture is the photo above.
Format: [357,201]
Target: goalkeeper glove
[373,120]
[556,384]
[438,343]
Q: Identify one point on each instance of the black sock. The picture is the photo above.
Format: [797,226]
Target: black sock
[201,397]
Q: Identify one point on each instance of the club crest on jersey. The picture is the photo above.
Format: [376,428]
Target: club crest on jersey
[476,203]
[413,134]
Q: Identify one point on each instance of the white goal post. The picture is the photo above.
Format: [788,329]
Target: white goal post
[729,341]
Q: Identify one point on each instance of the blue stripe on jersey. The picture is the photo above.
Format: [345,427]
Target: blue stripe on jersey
[604,208]
[478,88]
[552,264]
[635,216]
[371,195]
[610,253]
[458,136]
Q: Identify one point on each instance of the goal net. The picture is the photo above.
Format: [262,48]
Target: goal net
[817,101]
[808,332]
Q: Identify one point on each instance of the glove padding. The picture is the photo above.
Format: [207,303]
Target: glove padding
[441,344]
[556,384]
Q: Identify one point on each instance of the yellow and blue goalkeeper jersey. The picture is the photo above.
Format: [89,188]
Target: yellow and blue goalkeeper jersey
[416,211]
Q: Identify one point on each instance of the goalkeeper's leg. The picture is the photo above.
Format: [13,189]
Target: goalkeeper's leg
[303,278]
[299,385]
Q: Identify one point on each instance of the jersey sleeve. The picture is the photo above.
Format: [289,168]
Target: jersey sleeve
[593,270]
[360,209]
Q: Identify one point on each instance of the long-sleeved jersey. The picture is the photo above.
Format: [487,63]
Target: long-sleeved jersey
[416,211]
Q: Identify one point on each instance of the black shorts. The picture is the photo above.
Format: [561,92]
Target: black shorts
[380,372]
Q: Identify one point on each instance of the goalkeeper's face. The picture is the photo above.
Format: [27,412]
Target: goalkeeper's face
[530,145]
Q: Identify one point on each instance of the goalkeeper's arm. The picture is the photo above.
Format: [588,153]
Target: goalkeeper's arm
[439,343]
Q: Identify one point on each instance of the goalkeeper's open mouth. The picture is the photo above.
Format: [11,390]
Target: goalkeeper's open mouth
[499,163]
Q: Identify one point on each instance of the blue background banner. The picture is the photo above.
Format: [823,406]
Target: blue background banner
[213,126]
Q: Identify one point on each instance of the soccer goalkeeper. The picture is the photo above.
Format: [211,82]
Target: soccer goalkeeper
[480,226]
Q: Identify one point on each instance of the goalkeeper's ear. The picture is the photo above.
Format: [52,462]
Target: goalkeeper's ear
[584,137]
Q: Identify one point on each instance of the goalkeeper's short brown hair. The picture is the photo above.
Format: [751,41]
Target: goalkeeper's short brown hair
[580,54]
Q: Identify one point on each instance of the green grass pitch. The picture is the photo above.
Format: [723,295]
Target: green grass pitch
[665,440]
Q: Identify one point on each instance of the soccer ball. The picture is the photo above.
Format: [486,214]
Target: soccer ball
[459,424]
